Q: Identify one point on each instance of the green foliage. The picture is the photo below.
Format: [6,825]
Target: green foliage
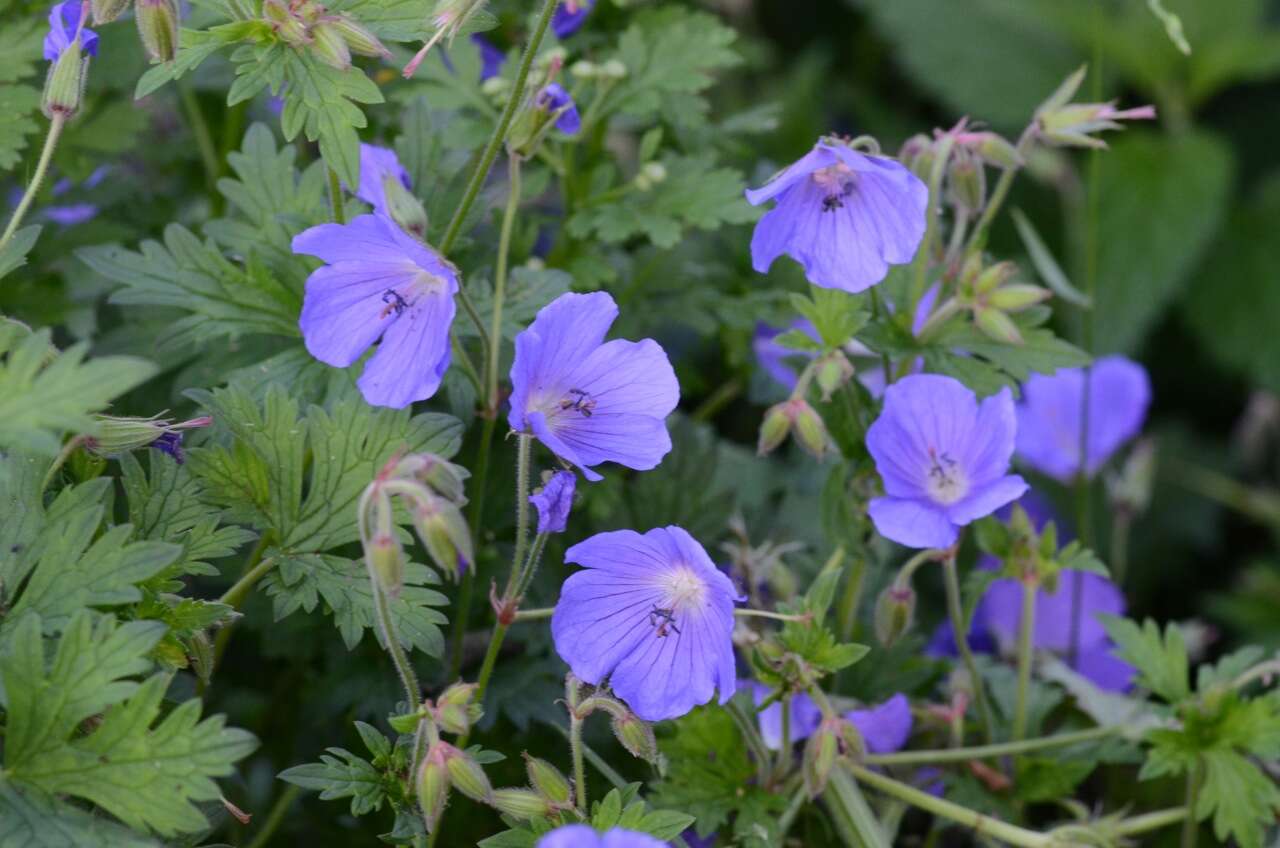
[147,776]
[19,55]
[528,290]
[45,393]
[1161,660]
[342,774]
[709,773]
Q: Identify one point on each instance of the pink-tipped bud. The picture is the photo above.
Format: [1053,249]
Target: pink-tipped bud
[832,371]
[361,41]
[636,736]
[466,775]
[894,613]
[433,785]
[456,710]
[64,86]
[820,753]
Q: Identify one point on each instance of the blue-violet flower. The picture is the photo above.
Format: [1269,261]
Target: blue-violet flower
[554,501]
[64,22]
[569,16]
[584,836]
[884,727]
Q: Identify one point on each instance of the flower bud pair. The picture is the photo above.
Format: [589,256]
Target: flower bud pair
[455,710]
[793,415]
[835,737]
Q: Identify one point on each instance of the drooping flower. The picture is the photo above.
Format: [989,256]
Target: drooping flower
[845,216]
[944,459]
[554,500]
[884,727]
[555,100]
[64,22]
[585,836]
[653,615]
[1050,415]
[379,283]
[491,58]
[591,401]
[569,16]
[805,717]
[377,165]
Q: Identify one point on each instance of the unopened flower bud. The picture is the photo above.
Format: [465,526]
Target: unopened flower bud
[994,149]
[1063,123]
[613,69]
[158,27]
[329,46]
[918,155]
[895,610]
[106,11]
[286,25]
[989,279]
[467,776]
[64,86]
[547,781]
[582,69]
[1018,297]
[386,562]
[449,17]
[360,40]
[433,785]
[833,370]
[405,209]
[444,534]
[794,414]
[636,736]
[117,435]
[994,324]
[810,432]
[774,429]
[522,804]
[438,473]
[820,753]
[967,181]
[456,709]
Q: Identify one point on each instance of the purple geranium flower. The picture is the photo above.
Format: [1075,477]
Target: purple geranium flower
[377,165]
[584,836]
[379,283]
[844,215]
[554,99]
[70,214]
[569,17]
[885,727]
[1049,415]
[588,400]
[64,21]
[944,459]
[491,58]
[805,716]
[652,614]
[554,500]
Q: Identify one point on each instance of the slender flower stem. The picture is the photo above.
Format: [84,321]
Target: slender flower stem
[500,131]
[842,792]
[490,658]
[775,616]
[847,613]
[335,198]
[235,596]
[1001,190]
[60,460]
[920,267]
[391,639]
[1026,632]
[204,140]
[523,452]
[468,366]
[783,761]
[540,614]
[33,188]
[1190,825]
[955,612]
[1150,821]
[531,564]
[579,768]
[978,822]
[275,816]
[798,799]
[983,752]
[755,744]
[500,282]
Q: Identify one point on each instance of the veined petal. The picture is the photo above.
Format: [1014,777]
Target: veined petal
[992,444]
[537,423]
[343,311]
[819,157]
[985,498]
[600,620]
[912,523]
[413,356]
[885,727]
[636,441]
[628,377]
[365,238]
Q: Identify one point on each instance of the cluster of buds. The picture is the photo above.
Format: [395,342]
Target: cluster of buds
[835,738]
[432,490]
[970,150]
[1060,122]
[794,416]
[990,294]
[447,767]
[611,71]
[117,435]
[157,23]
[546,106]
[632,732]
[333,38]
[449,18]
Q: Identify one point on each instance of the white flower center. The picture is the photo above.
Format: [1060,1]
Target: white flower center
[945,480]
[685,591]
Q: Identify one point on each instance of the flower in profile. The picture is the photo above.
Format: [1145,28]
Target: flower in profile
[884,727]
[591,401]
[553,501]
[1051,412]
[845,216]
[805,716]
[555,100]
[64,25]
[569,17]
[379,283]
[377,166]
[653,615]
[491,58]
[944,459]
[584,836]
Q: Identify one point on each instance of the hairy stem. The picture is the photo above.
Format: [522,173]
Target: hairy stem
[579,768]
[1151,821]
[847,612]
[843,793]
[500,282]
[755,744]
[983,752]
[955,611]
[387,628]
[60,460]
[1026,632]
[335,199]
[462,609]
[920,266]
[523,451]
[42,168]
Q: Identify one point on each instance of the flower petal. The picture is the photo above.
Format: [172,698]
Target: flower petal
[986,498]
[364,238]
[601,619]
[885,727]
[636,441]
[413,356]
[911,523]
[819,157]
[343,311]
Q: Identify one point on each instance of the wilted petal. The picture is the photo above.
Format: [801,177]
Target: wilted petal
[554,501]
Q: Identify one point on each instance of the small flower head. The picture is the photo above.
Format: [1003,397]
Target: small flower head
[653,615]
[379,283]
[805,716]
[944,459]
[584,836]
[569,16]
[1049,416]
[554,100]
[64,27]
[553,501]
[591,401]
[845,216]
[884,727]
[117,435]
